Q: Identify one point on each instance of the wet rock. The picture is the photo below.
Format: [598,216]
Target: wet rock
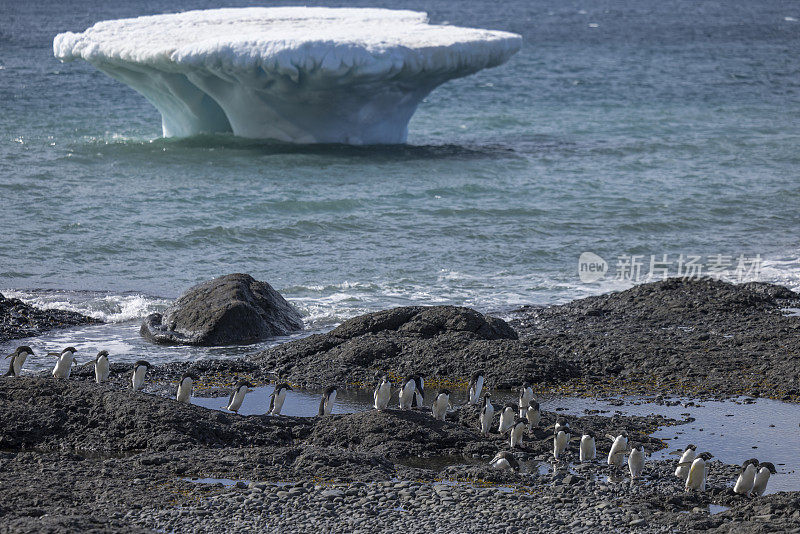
[230,309]
[19,320]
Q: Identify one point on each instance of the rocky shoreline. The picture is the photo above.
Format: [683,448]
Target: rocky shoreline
[78,456]
[19,320]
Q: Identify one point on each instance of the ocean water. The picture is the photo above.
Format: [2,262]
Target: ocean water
[638,128]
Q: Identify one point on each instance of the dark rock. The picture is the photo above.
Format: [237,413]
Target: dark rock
[227,310]
[19,320]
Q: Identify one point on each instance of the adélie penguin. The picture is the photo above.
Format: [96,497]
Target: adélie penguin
[236,397]
[533,415]
[762,477]
[440,404]
[409,390]
[504,460]
[140,369]
[618,449]
[685,463]
[487,414]
[64,364]
[636,460]
[277,398]
[328,398]
[419,395]
[525,397]
[382,394]
[517,432]
[507,418]
[101,367]
[698,472]
[185,387]
[475,387]
[747,477]
[588,446]
[18,358]
[560,441]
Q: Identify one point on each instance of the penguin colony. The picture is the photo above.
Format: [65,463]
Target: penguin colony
[515,419]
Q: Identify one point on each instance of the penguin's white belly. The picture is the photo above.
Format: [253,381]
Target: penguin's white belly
[238,399]
[382,397]
[19,361]
[525,400]
[682,471]
[760,483]
[475,390]
[588,450]
[486,418]
[502,463]
[533,417]
[560,443]
[101,371]
[328,406]
[407,395]
[63,367]
[617,452]
[516,435]
[184,391]
[744,484]
[138,377]
[697,475]
[279,398]
[439,409]
[636,463]
[506,420]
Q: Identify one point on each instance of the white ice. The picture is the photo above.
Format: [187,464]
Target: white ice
[296,74]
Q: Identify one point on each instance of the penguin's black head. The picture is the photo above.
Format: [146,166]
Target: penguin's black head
[705,456]
[526,385]
[444,392]
[589,433]
[69,349]
[636,445]
[24,349]
[511,405]
[101,354]
[769,466]
[329,390]
[751,461]
[690,446]
[140,363]
[535,405]
[624,434]
[562,422]
[243,383]
[191,375]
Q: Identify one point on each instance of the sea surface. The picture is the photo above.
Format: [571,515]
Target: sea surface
[645,128]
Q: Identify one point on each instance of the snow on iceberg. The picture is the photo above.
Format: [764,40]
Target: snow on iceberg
[297,74]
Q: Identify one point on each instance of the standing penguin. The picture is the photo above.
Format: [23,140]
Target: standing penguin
[237,395]
[504,460]
[525,398]
[328,398]
[487,414]
[517,432]
[185,388]
[101,367]
[440,404]
[64,364]
[588,446]
[140,369]
[698,472]
[419,394]
[18,358]
[762,477]
[382,394]
[747,477]
[475,387]
[618,449]
[507,418]
[409,390]
[277,397]
[533,415]
[636,460]
[685,463]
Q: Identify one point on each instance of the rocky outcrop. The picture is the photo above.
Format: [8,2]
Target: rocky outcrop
[18,320]
[436,341]
[231,309]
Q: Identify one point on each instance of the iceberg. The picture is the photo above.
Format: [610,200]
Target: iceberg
[295,74]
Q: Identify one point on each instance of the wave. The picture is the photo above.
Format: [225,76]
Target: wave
[107,307]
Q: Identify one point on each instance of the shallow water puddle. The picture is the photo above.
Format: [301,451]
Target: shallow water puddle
[299,403]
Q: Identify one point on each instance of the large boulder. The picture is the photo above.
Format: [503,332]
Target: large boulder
[231,309]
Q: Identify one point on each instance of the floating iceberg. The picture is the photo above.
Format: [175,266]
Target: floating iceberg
[297,74]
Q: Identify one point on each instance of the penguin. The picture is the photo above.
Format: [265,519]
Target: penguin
[747,477]
[487,414]
[277,397]
[762,477]
[140,369]
[237,395]
[517,432]
[18,358]
[688,456]
[560,442]
[562,424]
[504,460]
[101,370]
[328,398]
[533,415]
[618,449]
[636,460]
[507,418]
[588,446]
[475,387]
[698,472]
[440,404]
[525,397]
[419,395]
[63,366]
[409,391]
[383,394]
[185,388]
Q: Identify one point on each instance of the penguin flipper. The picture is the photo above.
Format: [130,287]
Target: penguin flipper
[321,407]
[230,397]
[10,371]
[271,403]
